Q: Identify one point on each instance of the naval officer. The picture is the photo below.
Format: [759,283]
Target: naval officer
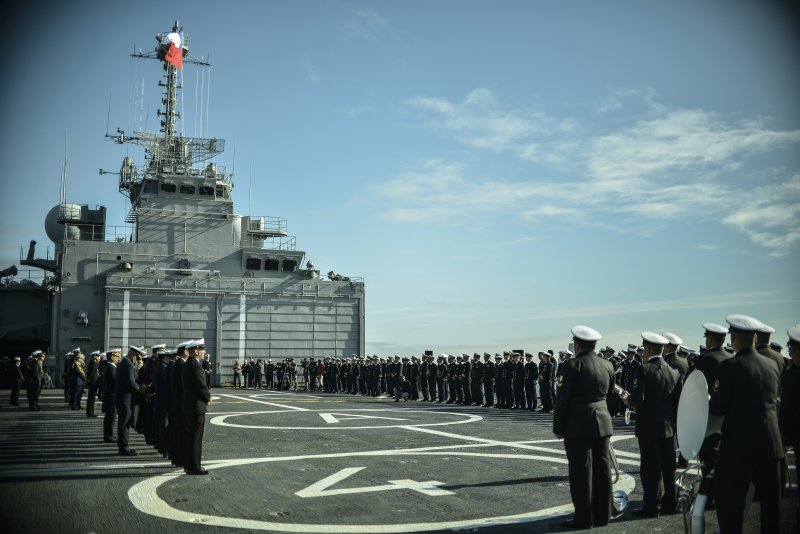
[195,397]
[125,387]
[582,419]
[789,416]
[656,390]
[109,384]
[745,393]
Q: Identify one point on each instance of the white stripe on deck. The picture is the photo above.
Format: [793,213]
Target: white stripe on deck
[277,405]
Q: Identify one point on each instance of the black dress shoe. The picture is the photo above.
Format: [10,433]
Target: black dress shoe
[197,472]
[128,452]
[643,512]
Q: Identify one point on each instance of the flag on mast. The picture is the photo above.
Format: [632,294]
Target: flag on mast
[175,53]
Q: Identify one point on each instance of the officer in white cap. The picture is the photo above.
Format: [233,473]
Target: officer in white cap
[93,381]
[125,387]
[789,416]
[176,436]
[671,356]
[655,394]
[109,379]
[762,346]
[195,399]
[745,393]
[582,419]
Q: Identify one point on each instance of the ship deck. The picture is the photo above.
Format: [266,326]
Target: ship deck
[303,462]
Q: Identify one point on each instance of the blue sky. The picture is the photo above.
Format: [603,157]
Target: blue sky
[497,172]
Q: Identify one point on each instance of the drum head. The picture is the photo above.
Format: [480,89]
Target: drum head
[692,415]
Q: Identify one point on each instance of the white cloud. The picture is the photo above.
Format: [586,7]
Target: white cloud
[482,122]
[656,169]
[770,215]
[680,143]
[366,25]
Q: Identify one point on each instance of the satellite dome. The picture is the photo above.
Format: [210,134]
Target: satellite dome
[55,230]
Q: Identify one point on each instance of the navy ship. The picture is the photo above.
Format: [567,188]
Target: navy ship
[187,265]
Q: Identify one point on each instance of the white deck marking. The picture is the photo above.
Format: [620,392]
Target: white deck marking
[265,402]
[320,489]
[514,444]
[330,417]
[144,496]
[468,418]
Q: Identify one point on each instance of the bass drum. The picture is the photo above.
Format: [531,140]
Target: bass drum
[692,415]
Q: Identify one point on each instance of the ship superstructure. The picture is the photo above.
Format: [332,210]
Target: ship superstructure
[188,266]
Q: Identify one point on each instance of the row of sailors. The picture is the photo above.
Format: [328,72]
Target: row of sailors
[162,396]
[446,379]
[280,376]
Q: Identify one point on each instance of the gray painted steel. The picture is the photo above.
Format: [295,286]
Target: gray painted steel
[188,266]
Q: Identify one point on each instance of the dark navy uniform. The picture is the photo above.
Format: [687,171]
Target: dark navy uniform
[475,379]
[531,374]
[488,377]
[582,418]
[546,384]
[746,393]
[655,395]
[195,397]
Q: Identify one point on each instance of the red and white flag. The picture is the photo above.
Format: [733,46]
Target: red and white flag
[175,52]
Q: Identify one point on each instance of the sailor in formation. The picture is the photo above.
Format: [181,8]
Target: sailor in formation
[745,393]
[655,394]
[583,421]
[745,384]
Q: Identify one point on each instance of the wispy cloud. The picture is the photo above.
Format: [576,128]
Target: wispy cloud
[770,215]
[366,25]
[481,121]
[656,169]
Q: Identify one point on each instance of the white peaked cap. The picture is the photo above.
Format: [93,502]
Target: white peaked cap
[714,328]
[95,352]
[586,333]
[766,329]
[744,322]
[672,338]
[794,333]
[655,339]
[183,345]
[140,350]
[160,346]
[196,343]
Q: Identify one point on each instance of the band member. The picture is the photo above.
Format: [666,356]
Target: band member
[583,421]
[656,390]
[746,394]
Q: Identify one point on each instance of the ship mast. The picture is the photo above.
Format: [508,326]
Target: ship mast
[169,147]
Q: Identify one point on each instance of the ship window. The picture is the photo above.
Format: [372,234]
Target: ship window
[168,187]
[206,190]
[222,192]
[187,189]
[289,265]
[253,264]
[270,264]
[194,172]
